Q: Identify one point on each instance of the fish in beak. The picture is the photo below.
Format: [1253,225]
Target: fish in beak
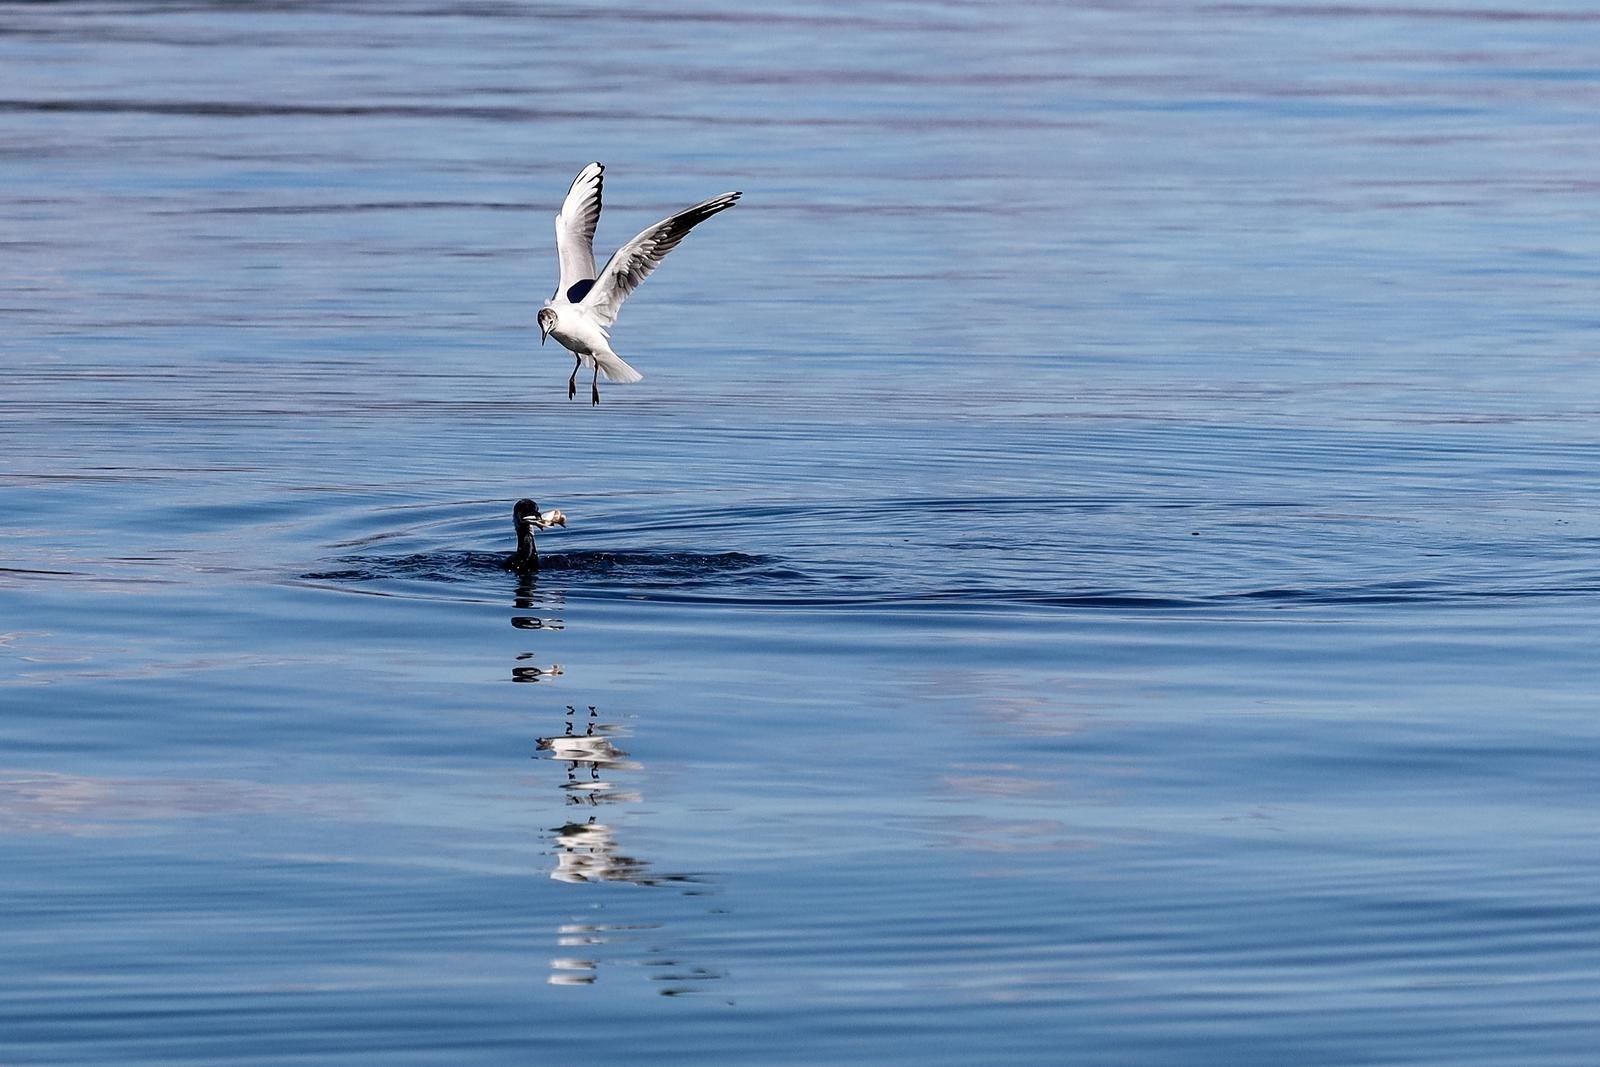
[546,519]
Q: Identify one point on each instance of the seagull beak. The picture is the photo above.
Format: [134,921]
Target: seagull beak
[542,333]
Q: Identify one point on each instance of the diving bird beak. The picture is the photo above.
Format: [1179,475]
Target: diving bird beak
[542,333]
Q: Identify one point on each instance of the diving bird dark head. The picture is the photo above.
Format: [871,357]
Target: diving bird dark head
[547,322]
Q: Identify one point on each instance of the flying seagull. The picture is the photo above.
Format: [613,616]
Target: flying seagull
[580,312]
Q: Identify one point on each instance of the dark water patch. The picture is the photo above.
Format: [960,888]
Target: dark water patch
[644,569]
[1001,599]
[996,551]
[232,110]
[355,207]
[1412,593]
[1323,12]
[740,579]
[240,109]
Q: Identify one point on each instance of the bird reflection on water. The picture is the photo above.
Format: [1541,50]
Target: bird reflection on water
[588,853]
[534,673]
[591,752]
[529,599]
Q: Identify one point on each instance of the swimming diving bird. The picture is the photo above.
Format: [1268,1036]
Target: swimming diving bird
[527,517]
[580,312]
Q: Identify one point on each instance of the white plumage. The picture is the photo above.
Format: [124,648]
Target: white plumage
[585,304]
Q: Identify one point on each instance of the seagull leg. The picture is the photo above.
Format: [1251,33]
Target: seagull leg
[594,386]
[572,382]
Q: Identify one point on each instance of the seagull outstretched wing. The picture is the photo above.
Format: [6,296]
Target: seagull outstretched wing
[634,261]
[575,228]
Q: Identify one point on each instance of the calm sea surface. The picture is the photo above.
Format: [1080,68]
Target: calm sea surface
[1103,566]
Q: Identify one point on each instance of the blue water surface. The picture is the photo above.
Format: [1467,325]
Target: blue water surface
[1102,566]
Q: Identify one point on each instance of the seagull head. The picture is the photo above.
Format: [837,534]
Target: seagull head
[547,322]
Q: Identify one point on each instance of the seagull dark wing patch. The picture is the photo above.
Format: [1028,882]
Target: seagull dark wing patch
[578,290]
[633,262]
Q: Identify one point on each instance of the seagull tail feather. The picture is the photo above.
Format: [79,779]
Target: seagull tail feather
[615,370]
